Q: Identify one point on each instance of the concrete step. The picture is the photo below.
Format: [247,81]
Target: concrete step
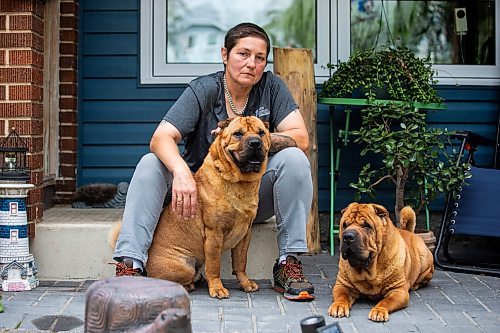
[72,244]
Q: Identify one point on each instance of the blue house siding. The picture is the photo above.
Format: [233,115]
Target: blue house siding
[117,116]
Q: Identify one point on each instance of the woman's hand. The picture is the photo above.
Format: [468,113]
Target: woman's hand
[184,194]
[164,145]
[216,131]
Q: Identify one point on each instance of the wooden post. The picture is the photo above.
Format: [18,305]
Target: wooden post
[295,67]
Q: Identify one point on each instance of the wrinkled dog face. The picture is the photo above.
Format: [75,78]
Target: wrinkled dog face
[247,141]
[361,230]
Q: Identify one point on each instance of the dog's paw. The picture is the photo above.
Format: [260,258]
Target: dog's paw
[189,287]
[250,286]
[378,313]
[339,310]
[218,292]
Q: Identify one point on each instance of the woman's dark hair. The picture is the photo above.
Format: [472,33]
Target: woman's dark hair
[243,30]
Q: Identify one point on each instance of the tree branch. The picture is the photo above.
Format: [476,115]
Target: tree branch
[380,180]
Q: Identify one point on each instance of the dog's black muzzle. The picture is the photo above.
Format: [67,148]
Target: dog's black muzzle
[351,249]
[251,158]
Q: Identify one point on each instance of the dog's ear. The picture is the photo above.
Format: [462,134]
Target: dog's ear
[381,211]
[224,123]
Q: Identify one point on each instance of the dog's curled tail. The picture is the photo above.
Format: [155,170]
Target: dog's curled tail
[113,234]
[407,219]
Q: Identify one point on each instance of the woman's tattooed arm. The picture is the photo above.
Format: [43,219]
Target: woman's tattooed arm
[280,142]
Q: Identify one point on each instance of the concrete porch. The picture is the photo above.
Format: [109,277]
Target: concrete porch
[71,244]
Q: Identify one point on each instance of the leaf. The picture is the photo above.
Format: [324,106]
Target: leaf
[389,163]
[397,134]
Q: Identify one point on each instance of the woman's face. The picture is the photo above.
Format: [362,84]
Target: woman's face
[246,61]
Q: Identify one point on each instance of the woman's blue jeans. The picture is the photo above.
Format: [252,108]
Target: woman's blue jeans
[285,191]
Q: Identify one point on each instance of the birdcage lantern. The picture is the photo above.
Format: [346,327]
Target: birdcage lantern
[13,150]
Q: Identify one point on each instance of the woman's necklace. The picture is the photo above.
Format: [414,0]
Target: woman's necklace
[230,99]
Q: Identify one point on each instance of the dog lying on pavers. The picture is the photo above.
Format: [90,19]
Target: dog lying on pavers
[379,261]
[228,186]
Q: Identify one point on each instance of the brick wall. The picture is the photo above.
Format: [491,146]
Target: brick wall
[66,182]
[21,85]
[21,91]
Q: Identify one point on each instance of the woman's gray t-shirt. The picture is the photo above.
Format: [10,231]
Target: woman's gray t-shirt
[202,105]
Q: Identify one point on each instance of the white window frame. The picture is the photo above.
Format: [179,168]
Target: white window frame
[13,208]
[14,235]
[154,68]
[330,48]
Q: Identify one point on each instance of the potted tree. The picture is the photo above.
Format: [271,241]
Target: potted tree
[411,156]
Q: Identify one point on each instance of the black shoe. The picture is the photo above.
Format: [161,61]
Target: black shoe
[289,280]
[125,268]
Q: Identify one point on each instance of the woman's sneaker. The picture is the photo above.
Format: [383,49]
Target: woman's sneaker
[125,268]
[289,280]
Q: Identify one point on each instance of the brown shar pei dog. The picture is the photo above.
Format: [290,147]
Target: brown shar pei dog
[379,261]
[228,186]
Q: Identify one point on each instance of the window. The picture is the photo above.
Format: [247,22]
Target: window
[13,208]
[14,235]
[458,36]
[181,39]
[212,39]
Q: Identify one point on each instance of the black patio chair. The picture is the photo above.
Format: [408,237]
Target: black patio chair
[473,213]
